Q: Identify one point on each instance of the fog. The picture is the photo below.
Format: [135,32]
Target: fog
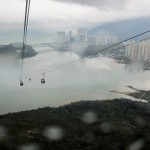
[91,79]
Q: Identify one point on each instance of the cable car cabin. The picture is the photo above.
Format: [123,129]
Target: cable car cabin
[43,81]
[21,83]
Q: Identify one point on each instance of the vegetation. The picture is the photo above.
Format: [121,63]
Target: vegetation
[128,122]
[15,49]
[113,51]
[141,94]
[147,65]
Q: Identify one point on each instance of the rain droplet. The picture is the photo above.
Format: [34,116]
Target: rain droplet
[54,133]
[89,117]
[30,147]
[89,137]
[137,145]
[148,108]
[3,133]
[105,127]
[139,121]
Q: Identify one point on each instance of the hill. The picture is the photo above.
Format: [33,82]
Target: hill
[118,124]
[123,29]
[15,48]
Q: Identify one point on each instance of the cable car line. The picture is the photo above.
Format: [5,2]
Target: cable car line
[27,10]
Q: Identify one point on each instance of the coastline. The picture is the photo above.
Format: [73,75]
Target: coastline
[143,95]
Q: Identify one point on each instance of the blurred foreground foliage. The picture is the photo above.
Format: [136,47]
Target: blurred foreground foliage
[129,121]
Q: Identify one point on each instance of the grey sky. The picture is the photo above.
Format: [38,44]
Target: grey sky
[49,16]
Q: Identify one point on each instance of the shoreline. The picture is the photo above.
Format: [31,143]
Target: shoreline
[142,95]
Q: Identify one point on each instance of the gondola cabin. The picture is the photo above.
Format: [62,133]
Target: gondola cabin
[43,81]
[21,83]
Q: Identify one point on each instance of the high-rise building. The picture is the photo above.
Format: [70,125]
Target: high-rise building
[71,38]
[82,31]
[138,51]
[61,37]
[91,40]
[105,40]
[82,36]
[70,34]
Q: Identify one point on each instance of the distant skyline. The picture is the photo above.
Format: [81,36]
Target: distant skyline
[49,16]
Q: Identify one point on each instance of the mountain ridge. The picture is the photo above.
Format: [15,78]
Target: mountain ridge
[123,29]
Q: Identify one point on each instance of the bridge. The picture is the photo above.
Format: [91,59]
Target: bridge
[38,45]
[45,51]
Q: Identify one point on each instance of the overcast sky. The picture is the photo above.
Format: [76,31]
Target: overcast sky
[49,16]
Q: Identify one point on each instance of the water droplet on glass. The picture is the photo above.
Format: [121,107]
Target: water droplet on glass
[54,133]
[30,147]
[139,121]
[137,145]
[105,127]
[89,117]
[3,133]
[89,137]
[148,108]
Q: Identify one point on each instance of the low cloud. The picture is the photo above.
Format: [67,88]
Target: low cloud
[103,4]
[52,15]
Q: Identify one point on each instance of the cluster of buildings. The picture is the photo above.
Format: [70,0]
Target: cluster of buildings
[84,39]
[135,51]
[139,51]
[102,40]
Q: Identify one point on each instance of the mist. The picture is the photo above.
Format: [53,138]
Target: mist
[89,79]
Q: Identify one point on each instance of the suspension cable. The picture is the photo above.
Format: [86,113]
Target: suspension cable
[27,10]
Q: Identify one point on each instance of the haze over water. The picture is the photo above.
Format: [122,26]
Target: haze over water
[87,80]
